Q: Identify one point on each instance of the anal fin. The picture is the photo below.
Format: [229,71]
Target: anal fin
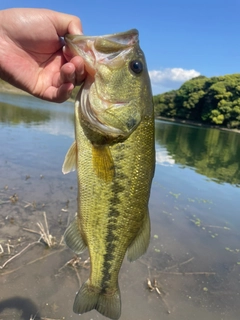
[73,238]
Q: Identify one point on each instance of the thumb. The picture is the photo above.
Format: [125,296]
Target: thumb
[75,27]
[66,23]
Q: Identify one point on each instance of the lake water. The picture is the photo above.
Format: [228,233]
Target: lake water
[193,261]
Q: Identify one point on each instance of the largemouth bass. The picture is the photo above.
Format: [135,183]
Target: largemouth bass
[114,156]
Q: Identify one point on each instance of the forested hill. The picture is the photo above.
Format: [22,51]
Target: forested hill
[213,100]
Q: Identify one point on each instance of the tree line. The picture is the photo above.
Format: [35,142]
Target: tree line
[213,100]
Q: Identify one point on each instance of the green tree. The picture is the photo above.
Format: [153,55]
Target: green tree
[213,100]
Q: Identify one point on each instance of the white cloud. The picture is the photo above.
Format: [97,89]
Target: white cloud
[170,78]
[163,158]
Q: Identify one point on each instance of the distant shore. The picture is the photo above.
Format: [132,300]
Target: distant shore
[8,88]
[12,90]
[196,124]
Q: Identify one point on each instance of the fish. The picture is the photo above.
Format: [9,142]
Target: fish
[114,156]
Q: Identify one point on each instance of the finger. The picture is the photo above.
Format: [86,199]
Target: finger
[80,72]
[67,53]
[58,95]
[72,72]
[67,74]
[76,60]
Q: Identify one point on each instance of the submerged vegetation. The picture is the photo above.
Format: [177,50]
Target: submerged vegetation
[214,101]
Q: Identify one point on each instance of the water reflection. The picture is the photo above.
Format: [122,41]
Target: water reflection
[16,115]
[52,118]
[163,158]
[210,152]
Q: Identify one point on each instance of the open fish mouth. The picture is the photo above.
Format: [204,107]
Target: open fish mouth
[100,111]
[106,43]
[99,49]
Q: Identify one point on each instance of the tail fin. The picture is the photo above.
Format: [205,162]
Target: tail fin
[87,299]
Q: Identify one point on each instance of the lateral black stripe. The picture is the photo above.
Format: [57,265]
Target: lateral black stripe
[112,229]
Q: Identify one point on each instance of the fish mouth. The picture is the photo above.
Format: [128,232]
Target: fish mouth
[95,49]
[120,40]
[110,49]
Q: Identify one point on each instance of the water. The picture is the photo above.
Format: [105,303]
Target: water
[194,254]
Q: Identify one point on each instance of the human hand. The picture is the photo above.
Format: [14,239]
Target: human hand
[31,55]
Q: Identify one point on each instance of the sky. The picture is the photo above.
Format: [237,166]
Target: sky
[181,39]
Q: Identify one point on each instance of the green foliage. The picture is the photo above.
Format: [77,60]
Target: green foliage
[213,100]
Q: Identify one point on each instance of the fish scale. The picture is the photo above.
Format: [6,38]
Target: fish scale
[114,176]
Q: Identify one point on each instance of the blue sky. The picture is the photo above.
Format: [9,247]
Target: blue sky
[180,38]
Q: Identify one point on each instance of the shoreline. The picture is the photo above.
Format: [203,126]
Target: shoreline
[13,90]
[196,124]
[16,91]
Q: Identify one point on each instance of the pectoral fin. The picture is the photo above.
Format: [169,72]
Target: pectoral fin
[140,244]
[70,161]
[103,163]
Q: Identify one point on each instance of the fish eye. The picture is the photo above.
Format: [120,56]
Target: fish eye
[136,66]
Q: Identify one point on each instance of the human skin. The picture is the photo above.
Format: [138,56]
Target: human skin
[32,53]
